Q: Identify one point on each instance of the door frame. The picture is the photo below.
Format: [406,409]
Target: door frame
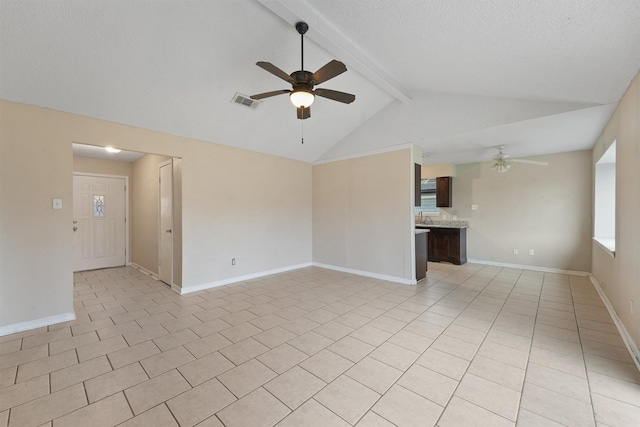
[160,166]
[127,254]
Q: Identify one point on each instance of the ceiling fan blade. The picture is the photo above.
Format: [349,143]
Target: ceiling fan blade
[268,66]
[530,162]
[343,97]
[328,71]
[268,94]
[304,113]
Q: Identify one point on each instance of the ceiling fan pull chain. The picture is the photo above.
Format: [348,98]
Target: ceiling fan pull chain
[302,132]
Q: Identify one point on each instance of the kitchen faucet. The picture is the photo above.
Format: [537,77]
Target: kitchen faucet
[423,220]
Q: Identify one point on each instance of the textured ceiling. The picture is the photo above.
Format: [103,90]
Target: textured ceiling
[455,77]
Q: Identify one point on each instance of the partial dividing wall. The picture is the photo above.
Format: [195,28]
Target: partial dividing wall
[546,209]
[238,204]
[362,215]
[619,277]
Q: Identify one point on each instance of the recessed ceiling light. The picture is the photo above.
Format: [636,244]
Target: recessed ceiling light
[112,150]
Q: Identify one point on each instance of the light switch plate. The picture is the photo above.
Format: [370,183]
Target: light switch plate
[57,203]
[474,207]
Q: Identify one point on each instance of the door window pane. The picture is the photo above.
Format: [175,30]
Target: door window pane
[98,206]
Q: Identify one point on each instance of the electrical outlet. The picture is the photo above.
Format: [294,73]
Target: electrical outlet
[515,252]
[532,252]
[474,207]
[455,217]
[444,217]
[233,261]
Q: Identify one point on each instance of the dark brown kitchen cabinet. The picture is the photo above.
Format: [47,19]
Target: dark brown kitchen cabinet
[421,255]
[447,244]
[417,201]
[444,192]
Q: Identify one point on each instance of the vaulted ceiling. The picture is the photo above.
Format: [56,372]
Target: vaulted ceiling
[455,77]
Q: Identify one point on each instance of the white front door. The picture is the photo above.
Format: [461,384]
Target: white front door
[165,250]
[98,222]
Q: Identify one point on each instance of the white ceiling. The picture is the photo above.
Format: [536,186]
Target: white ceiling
[455,77]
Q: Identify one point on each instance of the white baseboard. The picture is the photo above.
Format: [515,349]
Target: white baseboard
[366,274]
[37,323]
[149,273]
[628,341]
[187,290]
[529,267]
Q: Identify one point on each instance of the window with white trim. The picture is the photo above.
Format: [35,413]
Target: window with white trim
[604,230]
[428,196]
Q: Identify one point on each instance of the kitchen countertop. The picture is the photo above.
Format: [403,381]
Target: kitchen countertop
[443,224]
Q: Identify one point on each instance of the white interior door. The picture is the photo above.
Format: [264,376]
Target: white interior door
[98,222]
[165,240]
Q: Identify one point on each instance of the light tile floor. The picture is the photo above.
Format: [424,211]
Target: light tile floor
[470,346]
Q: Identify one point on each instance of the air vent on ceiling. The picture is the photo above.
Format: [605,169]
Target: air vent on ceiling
[245,101]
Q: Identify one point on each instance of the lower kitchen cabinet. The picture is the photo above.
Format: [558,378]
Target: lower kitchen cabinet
[447,244]
[421,255]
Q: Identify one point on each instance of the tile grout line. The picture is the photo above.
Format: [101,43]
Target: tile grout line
[355,304]
[586,371]
[526,370]
[479,346]
[562,354]
[312,397]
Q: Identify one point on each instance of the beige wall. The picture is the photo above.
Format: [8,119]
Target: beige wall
[362,213]
[35,241]
[544,208]
[434,171]
[236,204]
[144,189]
[619,277]
[110,167]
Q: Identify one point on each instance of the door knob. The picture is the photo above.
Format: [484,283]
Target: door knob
[75,229]
[168,231]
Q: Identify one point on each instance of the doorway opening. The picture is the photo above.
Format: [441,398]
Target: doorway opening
[144,244]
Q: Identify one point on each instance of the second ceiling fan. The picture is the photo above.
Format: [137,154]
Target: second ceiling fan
[502,161]
[302,93]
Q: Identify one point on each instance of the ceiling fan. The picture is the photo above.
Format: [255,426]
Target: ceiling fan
[302,93]
[502,162]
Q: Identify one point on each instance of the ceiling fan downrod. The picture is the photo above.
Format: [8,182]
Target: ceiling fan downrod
[302,28]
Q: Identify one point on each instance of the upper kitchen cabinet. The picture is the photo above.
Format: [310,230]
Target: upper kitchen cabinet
[444,192]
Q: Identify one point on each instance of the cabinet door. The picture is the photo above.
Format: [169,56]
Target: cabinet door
[444,192]
[431,238]
[453,247]
[440,245]
[417,196]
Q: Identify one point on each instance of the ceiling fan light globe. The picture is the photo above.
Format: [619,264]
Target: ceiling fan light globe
[301,98]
